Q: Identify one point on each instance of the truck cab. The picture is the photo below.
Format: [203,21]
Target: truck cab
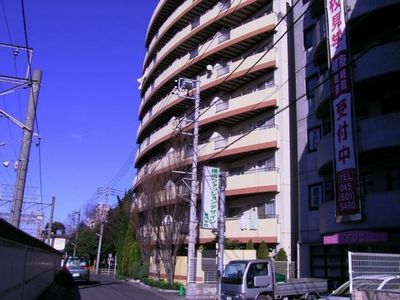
[257,279]
[243,279]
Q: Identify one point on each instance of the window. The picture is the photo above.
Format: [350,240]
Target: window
[224,35]
[150,111]
[222,104]
[236,171]
[315,195]
[308,37]
[223,69]
[235,212]
[268,83]
[267,209]
[328,187]
[366,183]
[193,53]
[311,83]
[393,179]
[314,136]
[224,4]
[195,22]
[326,125]
[256,269]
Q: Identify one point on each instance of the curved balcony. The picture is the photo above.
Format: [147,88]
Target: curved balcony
[379,211]
[259,230]
[153,19]
[374,133]
[257,140]
[378,61]
[157,137]
[358,8]
[254,181]
[211,47]
[242,143]
[238,68]
[379,132]
[258,99]
[176,15]
[245,31]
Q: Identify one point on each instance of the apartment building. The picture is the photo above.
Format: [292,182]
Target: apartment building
[373,67]
[238,49]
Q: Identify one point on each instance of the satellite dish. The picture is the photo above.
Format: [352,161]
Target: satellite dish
[209,67]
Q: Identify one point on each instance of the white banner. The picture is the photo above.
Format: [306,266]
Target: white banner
[348,206]
[210,193]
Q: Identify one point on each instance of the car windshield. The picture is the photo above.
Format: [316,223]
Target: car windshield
[368,282]
[76,262]
[233,272]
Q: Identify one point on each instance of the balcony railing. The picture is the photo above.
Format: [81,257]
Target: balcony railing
[261,228]
[208,47]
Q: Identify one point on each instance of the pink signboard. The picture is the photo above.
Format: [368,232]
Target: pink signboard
[348,206]
[355,237]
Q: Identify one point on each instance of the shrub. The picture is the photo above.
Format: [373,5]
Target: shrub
[281,255]
[263,252]
[250,245]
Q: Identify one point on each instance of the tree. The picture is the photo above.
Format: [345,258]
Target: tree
[130,260]
[56,227]
[281,255]
[87,242]
[263,251]
[117,224]
[162,206]
[250,245]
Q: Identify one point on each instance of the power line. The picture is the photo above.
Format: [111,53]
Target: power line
[295,101]
[248,55]
[165,99]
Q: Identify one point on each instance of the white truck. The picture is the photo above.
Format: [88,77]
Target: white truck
[256,279]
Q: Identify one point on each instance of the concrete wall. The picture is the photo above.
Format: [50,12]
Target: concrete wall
[181,264]
[28,265]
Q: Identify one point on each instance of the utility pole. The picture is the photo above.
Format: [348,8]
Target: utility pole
[76,231]
[22,168]
[221,229]
[53,201]
[185,84]
[99,247]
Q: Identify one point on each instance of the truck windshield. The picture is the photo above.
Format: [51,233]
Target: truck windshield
[233,272]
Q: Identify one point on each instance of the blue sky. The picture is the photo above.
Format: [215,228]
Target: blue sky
[91,53]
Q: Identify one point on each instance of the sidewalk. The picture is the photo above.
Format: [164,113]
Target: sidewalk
[165,294]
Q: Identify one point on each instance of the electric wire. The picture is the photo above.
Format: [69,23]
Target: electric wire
[199,57]
[32,94]
[283,17]
[297,99]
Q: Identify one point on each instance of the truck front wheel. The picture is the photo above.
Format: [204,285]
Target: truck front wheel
[264,297]
[312,297]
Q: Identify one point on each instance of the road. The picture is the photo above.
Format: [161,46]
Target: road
[103,287]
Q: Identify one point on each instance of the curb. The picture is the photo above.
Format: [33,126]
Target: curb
[158,290]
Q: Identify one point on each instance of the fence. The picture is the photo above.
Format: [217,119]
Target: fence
[367,270]
[285,268]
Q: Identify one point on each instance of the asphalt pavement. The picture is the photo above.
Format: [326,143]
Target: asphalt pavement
[103,287]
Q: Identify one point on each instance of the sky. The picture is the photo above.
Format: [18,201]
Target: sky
[90,53]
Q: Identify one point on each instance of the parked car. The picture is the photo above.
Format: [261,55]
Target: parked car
[78,267]
[370,282]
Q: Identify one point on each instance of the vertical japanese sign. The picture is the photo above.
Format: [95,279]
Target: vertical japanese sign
[347,200]
[209,208]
